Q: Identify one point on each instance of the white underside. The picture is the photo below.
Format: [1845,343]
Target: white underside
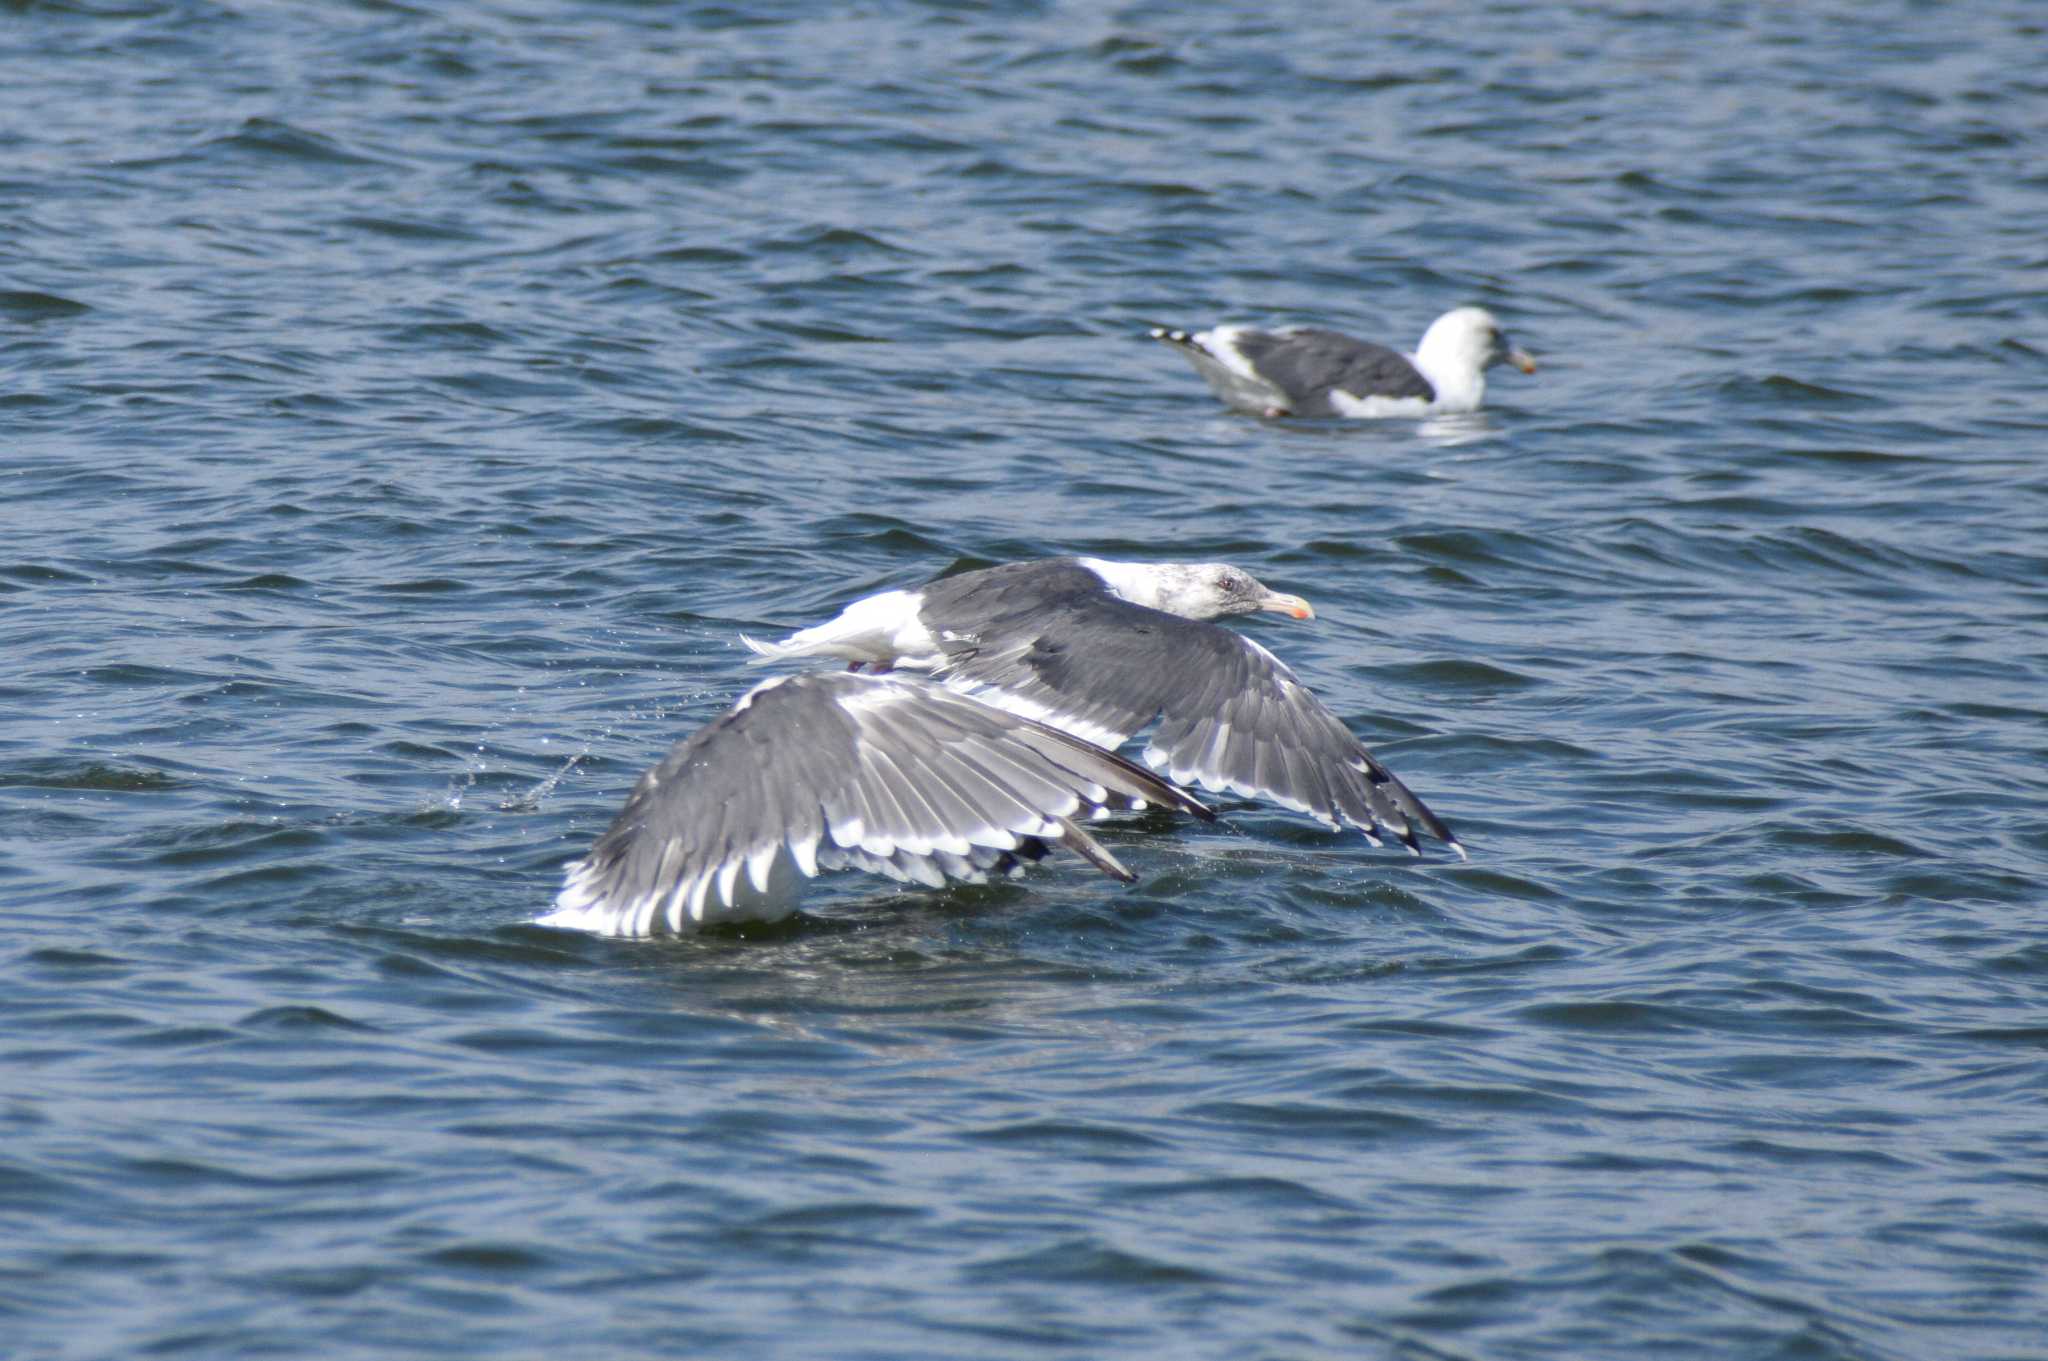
[875,628]
[1378,408]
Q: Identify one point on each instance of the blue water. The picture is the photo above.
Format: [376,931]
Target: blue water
[402,409]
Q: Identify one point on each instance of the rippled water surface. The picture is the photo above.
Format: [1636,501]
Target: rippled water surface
[402,409]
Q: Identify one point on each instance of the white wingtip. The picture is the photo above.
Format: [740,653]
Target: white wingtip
[578,908]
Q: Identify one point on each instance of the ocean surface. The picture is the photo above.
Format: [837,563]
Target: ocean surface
[404,407]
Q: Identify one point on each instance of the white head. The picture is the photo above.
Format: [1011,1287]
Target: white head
[1194,590]
[1456,351]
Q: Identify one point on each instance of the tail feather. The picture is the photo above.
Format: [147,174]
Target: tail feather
[767,652]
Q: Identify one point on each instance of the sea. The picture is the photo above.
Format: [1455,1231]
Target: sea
[404,407]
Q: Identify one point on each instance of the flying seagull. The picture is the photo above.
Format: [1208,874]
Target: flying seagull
[1104,650]
[830,770]
[1303,371]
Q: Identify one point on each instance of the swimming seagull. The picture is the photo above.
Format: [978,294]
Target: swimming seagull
[830,770]
[1302,371]
[1104,649]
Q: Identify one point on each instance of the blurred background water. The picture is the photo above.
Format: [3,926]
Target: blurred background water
[402,408]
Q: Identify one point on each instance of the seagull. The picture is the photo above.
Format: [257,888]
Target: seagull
[1104,649]
[1303,371]
[832,770]
[983,731]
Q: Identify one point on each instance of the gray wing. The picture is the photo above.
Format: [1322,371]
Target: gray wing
[1255,395]
[1309,364]
[836,771]
[1231,716]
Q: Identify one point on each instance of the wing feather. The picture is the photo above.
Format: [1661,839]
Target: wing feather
[884,773]
[1309,364]
[1231,717]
